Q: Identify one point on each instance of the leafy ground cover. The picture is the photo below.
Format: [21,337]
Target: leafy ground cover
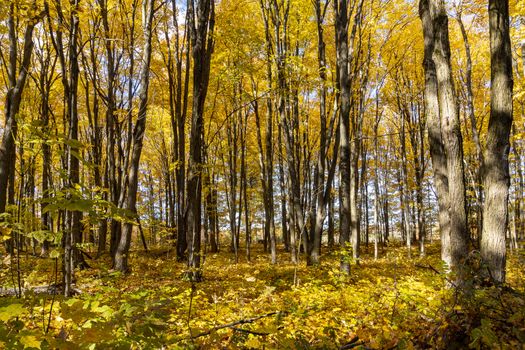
[392,302]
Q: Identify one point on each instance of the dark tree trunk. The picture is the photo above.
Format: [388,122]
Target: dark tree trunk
[16,82]
[342,19]
[202,19]
[122,251]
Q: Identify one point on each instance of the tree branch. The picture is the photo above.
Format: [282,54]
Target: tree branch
[239,322]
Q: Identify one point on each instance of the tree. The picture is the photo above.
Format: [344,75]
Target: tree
[16,78]
[322,182]
[68,55]
[202,21]
[444,133]
[347,160]
[121,254]
[266,153]
[473,123]
[496,178]
[178,88]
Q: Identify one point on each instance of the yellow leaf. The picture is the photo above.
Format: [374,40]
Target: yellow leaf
[253,343]
[11,311]
[30,341]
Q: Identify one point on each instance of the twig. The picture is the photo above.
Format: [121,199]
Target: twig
[53,299]
[193,288]
[236,323]
[243,330]
[86,254]
[430,267]
[351,344]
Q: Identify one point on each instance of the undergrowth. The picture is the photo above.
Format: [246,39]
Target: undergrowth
[390,303]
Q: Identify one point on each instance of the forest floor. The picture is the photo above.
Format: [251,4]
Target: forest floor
[393,302]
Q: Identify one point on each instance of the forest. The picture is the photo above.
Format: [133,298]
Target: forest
[262,174]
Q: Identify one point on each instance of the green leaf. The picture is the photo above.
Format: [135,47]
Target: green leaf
[54,254]
[40,235]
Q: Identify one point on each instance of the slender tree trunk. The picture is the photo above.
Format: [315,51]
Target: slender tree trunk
[344,88]
[44,84]
[122,251]
[244,186]
[181,114]
[478,188]
[285,225]
[16,83]
[377,194]
[404,188]
[201,25]
[320,187]
[267,151]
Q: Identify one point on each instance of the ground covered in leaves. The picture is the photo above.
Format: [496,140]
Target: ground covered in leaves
[393,302]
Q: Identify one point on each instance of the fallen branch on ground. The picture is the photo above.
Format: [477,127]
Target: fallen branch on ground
[50,289]
[354,342]
[430,267]
[236,323]
[243,330]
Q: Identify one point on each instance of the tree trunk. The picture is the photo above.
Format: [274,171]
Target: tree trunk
[435,139]
[122,251]
[320,186]
[478,188]
[453,143]
[496,165]
[439,86]
[202,18]
[344,88]
[16,84]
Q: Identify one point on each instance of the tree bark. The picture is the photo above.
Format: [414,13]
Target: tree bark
[122,251]
[496,176]
[343,84]
[478,188]
[457,248]
[435,138]
[202,19]
[16,83]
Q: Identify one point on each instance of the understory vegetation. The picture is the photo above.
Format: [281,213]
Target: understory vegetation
[390,303]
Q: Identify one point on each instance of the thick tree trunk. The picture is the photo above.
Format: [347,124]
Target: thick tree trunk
[440,86]
[452,138]
[435,139]
[496,165]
